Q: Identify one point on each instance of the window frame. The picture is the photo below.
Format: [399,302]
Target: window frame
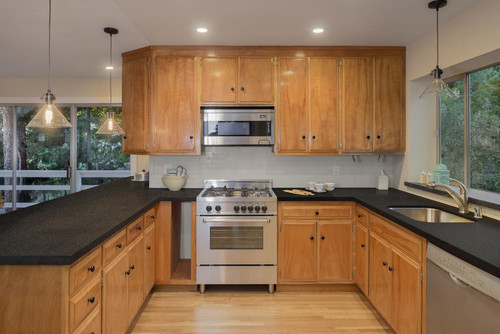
[472,192]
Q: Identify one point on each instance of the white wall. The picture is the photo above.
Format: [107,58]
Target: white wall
[467,40]
[285,171]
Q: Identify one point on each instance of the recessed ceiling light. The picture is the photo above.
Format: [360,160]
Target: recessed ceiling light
[109,67]
[318,30]
[202,30]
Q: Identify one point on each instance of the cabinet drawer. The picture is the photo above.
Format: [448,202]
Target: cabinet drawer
[92,324]
[316,211]
[84,302]
[363,216]
[149,217]
[84,271]
[114,246]
[408,243]
[134,229]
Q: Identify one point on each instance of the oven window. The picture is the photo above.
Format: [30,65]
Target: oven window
[236,237]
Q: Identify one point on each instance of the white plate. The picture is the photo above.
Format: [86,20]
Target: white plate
[322,191]
[309,189]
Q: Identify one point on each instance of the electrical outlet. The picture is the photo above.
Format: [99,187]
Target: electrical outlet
[336,170]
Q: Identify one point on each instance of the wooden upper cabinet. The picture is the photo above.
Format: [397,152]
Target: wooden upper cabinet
[135,105]
[357,104]
[238,80]
[388,105]
[219,80]
[323,134]
[176,109]
[255,80]
[292,105]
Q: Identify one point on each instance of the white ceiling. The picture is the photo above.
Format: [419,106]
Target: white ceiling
[80,48]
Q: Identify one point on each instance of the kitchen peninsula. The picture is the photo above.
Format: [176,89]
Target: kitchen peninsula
[66,231]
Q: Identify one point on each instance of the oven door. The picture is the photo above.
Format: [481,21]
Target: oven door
[238,127]
[236,240]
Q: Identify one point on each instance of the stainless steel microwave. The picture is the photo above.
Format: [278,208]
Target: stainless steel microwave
[238,126]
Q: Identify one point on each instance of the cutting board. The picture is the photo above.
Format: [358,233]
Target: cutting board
[299,192]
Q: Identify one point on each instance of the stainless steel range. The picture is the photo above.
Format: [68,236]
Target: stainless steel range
[236,233]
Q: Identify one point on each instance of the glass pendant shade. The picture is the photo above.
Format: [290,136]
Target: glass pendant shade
[110,126]
[438,87]
[49,116]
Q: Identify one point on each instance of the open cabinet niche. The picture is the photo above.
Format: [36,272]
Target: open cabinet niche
[176,243]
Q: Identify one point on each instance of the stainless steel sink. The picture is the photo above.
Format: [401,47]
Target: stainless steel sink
[430,215]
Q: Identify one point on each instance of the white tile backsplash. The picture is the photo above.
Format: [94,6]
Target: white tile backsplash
[249,162]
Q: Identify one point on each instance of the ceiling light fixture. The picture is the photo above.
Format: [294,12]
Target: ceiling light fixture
[437,87]
[318,30]
[110,126]
[49,116]
[202,30]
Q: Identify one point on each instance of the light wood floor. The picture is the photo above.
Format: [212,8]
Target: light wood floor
[237,311]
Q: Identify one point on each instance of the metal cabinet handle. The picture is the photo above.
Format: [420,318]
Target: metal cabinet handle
[311,237]
[303,137]
[362,245]
[314,137]
[124,137]
[316,213]
[243,88]
[91,300]
[152,217]
[148,248]
[91,269]
[127,272]
[367,137]
[232,89]
[119,246]
[378,137]
[322,237]
[132,267]
[359,216]
[384,263]
[391,268]
[139,228]
[190,137]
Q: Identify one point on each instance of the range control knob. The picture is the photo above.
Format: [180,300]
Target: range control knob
[250,208]
[236,208]
[257,208]
[217,208]
[209,208]
[243,208]
[264,208]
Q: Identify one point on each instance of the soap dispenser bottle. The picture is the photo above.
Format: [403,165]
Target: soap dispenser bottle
[383,181]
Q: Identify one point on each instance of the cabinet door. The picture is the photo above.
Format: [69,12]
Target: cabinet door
[406,294]
[176,111]
[379,291]
[115,296]
[357,75]
[255,80]
[218,80]
[292,108]
[324,76]
[334,250]
[298,250]
[150,258]
[135,105]
[136,277]
[388,105]
[361,250]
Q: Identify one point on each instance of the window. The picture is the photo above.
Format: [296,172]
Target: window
[470,130]
[47,164]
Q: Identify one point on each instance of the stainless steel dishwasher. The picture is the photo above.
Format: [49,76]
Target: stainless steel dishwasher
[460,297]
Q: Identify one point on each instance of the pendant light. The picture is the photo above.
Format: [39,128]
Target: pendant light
[49,116]
[110,126]
[437,87]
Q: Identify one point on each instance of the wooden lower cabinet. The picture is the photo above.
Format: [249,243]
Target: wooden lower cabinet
[361,250]
[135,276]
[315,243]
[115,296]
[149,258]
[395,282]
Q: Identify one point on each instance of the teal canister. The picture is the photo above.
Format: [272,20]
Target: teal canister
[441,174]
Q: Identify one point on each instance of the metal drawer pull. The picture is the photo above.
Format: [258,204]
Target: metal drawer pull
[91,300]
[267,220]
[91,269]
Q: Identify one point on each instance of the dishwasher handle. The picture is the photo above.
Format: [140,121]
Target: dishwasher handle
[458,281]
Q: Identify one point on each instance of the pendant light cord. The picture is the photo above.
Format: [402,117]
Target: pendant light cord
[437,35]
[111,69]
[50,19]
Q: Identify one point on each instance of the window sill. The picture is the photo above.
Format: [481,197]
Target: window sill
[472,200]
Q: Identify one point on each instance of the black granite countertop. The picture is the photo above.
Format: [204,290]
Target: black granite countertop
[478,243]
[61,231]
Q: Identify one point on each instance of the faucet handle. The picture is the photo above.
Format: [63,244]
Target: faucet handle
[478,212]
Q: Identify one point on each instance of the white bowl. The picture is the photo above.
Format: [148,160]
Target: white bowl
[329,186]
[174,182]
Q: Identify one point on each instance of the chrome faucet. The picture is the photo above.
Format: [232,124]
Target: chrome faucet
[461,198]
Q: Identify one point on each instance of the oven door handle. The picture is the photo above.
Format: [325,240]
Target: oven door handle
[229,220]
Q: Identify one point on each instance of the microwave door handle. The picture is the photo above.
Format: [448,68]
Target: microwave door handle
[266,220]
[264,142]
